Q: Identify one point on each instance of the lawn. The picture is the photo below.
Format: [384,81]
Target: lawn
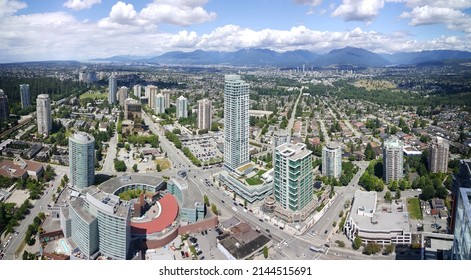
[95,95]
[413,207]
[164,163]
[253,181]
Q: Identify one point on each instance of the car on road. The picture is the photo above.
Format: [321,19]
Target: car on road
[234,209]
[267,230]
[222,201]
[261,220]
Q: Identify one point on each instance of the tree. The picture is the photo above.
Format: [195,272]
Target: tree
[388,196]
[356,243]
[265,251]
[119,165]
[134,167]
[206,200]
[340,243]
[398,194]
[214,209]
[158,167]
[372,248]
[389,249]
[393,186]
[428,192]
[441,192]
[369,152]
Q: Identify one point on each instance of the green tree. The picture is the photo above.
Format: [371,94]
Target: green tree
[389,249]
[372,248]
[388,196]
[428,192]
[340,243]
[398,194]
[134,167]
[369,152]
[158,167]
[214,209]
[441,192]
[356,243]
[265,251]
[119,165]
[206,200]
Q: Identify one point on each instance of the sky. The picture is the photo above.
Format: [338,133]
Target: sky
[33,30]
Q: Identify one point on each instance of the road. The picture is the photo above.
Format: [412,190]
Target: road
[39,206]
[293,114]
[177,157]
[108,165]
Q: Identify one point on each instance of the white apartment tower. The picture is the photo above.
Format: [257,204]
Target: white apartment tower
[204,114]
[151,92]
[438,155]
[236,122]
[122,95]
[43,114]
[182,107]
[392,159]
[332,160]
[25,96]
[159,104]
[112,89]
[166,93]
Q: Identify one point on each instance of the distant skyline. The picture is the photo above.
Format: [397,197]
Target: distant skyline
[86,29]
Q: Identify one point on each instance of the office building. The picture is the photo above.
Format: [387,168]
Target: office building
[204,114]
[182,107]
[392,159]
[236,122]
[159,104]
[438,155]
[112,89]
[122,95]
[166,94]
[25,96]
[371,225]
[462,227]
[43,114]
[132,109]
[82,159]
[151,92]
[4,108]
[332,160]
[293,185]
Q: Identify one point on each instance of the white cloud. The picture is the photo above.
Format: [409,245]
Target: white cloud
[80,4]
[178,12]
[9,7]
[61,36]
[359,10]
[309,2]
[452,4]
[426,15]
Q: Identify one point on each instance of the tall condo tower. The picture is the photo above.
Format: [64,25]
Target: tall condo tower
[204,114]
[25,96]
[236,122]
[392,159]
[82,159]
[43,114]
[112,89]
[293,182]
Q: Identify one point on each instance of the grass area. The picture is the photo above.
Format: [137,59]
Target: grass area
[253,181]
[413,207]
[374,84]
[93,95]
[164,163]
[261,172]
[20,248]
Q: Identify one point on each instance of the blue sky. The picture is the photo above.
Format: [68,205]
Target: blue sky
[84,29]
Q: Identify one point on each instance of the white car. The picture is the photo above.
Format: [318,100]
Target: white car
[234,209]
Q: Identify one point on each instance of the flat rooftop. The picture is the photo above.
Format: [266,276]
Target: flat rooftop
[79,206]
[113,184]
[168,214]
[364,213]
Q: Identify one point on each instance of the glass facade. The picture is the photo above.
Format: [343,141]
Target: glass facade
[82,159]
[236,122]
[462,241]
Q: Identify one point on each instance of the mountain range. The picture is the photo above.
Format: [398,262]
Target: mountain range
[264,57]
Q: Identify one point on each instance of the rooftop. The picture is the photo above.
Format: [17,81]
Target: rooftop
[82,137]
[367,218]
[168,214]
[78,204]
[113,184]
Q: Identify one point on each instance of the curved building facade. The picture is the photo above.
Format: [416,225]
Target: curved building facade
[82,159]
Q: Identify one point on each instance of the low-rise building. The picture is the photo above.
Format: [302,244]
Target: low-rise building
[390,227]
[21,169]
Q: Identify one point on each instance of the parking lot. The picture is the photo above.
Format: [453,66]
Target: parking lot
[205,245]
[204,149]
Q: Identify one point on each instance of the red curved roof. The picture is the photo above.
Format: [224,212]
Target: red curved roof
[168,214]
